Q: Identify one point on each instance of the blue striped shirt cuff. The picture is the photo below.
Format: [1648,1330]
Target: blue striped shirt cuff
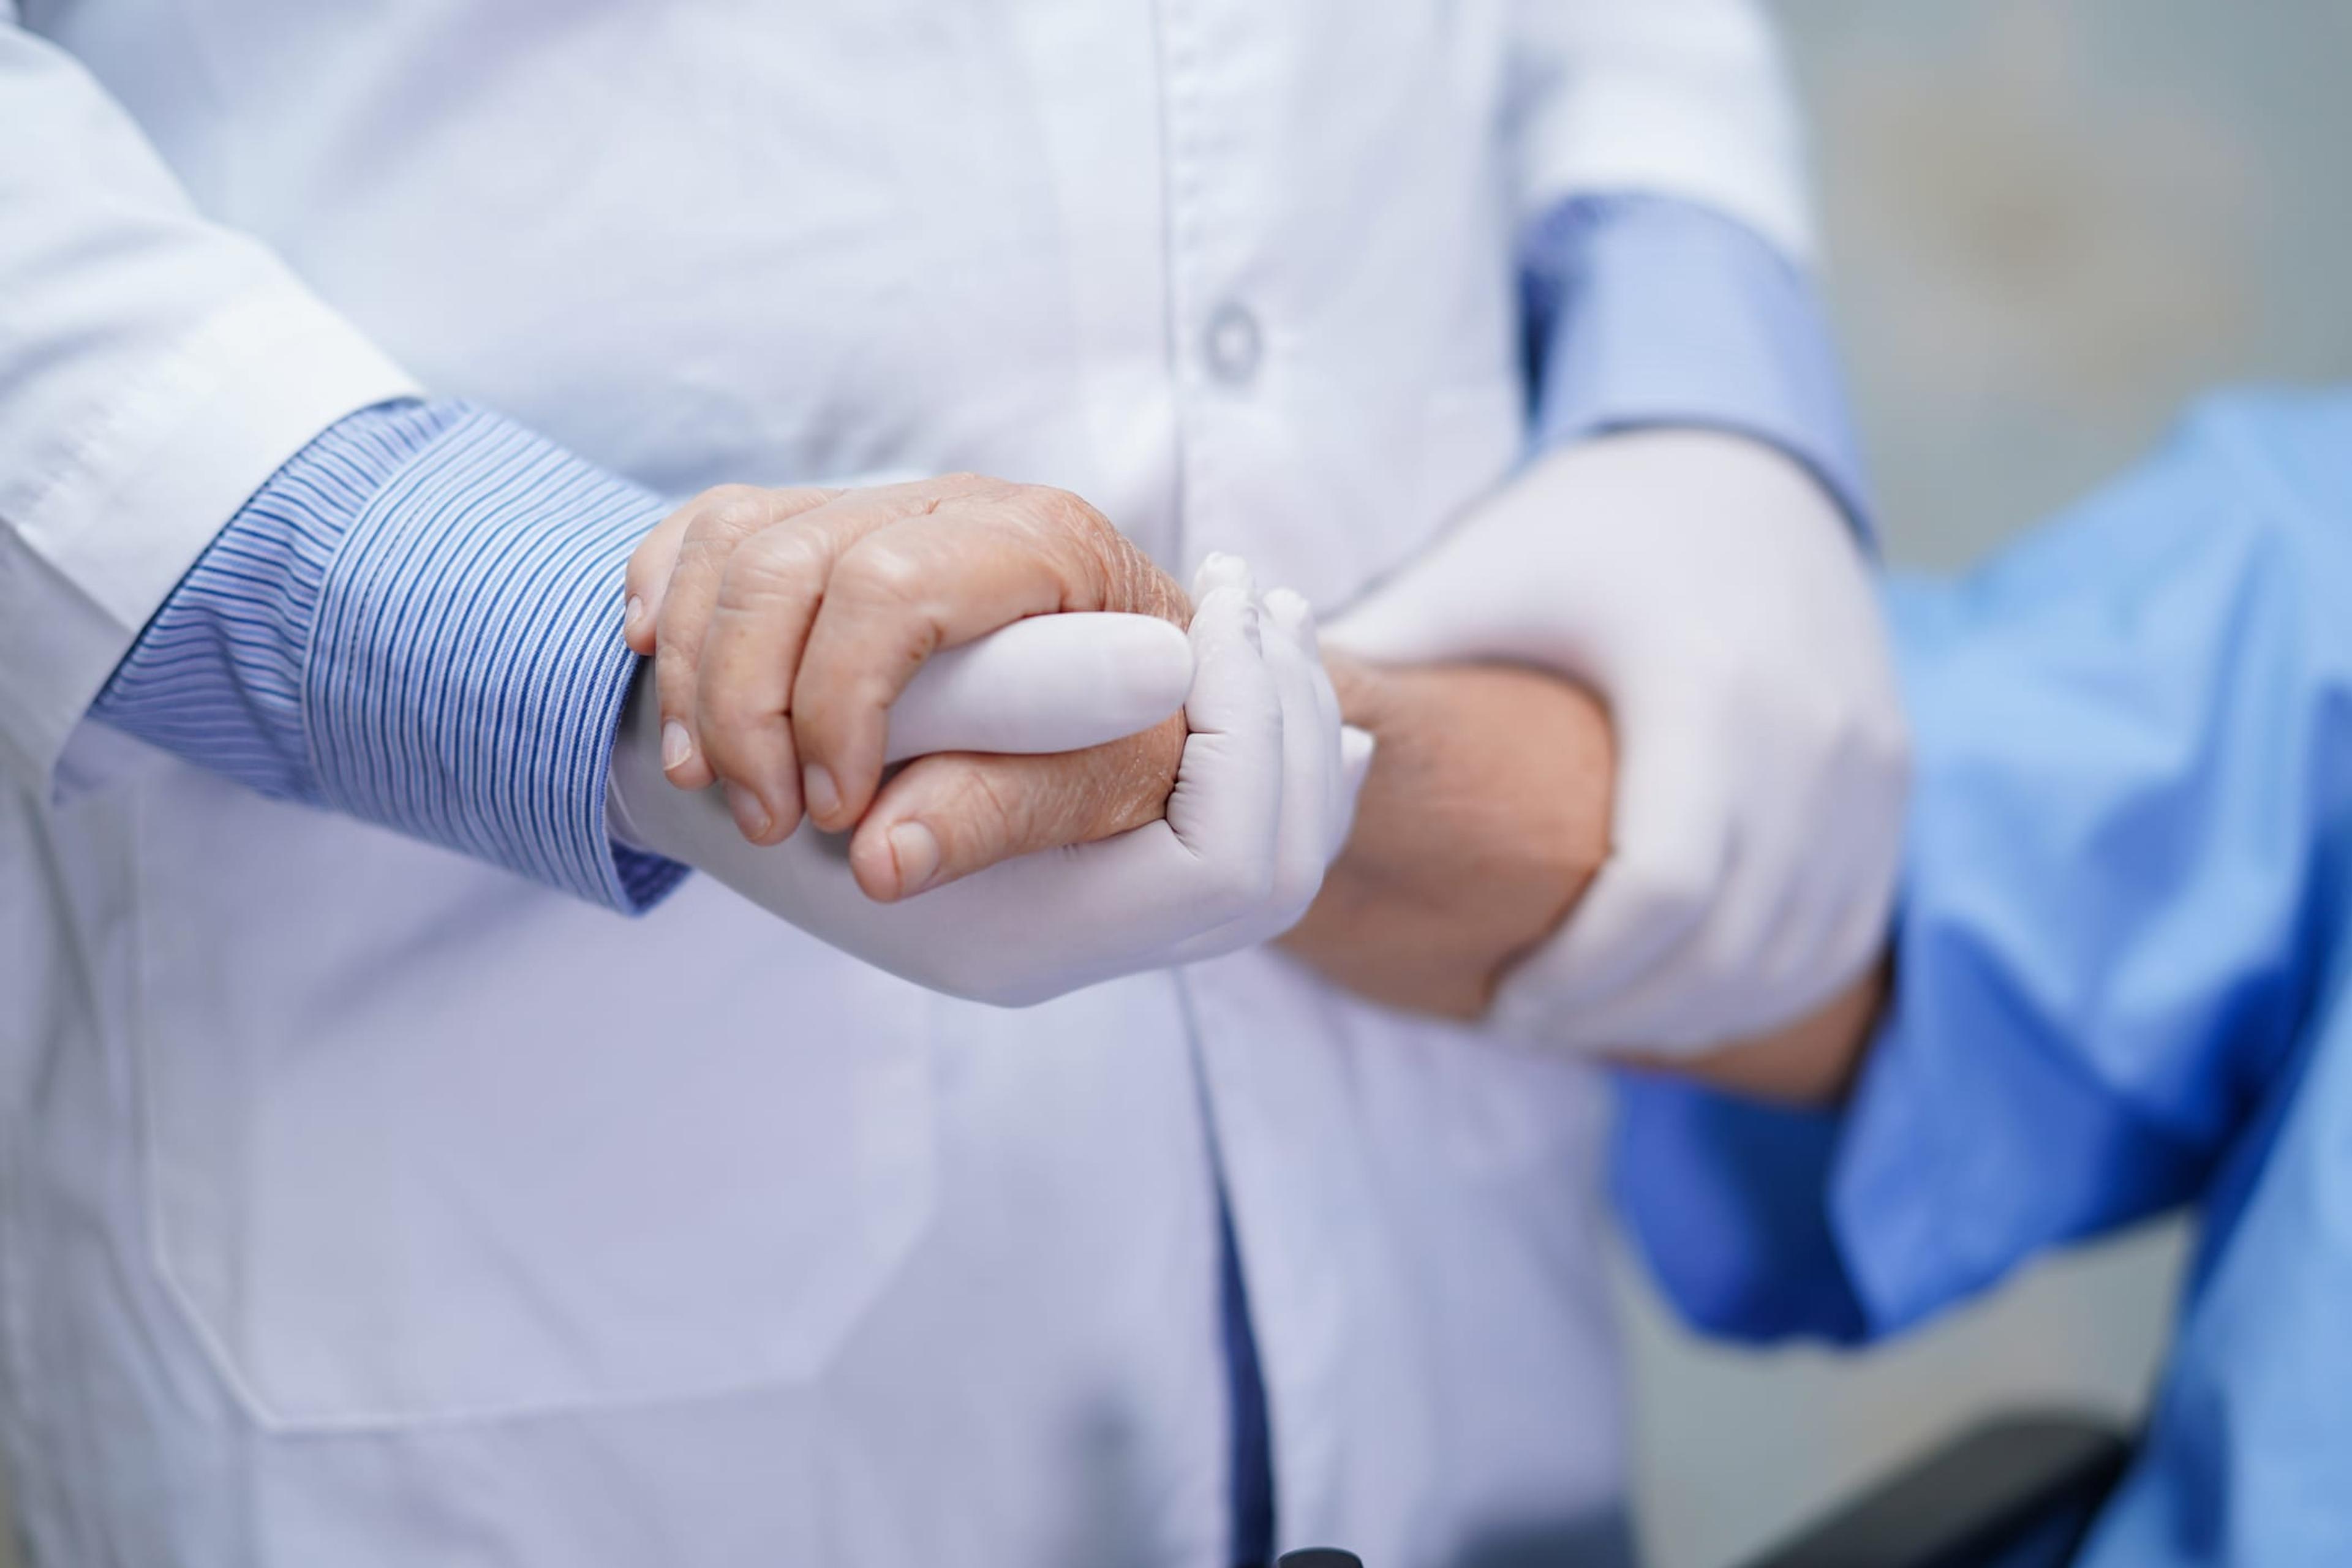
[417,622]
[1643,311]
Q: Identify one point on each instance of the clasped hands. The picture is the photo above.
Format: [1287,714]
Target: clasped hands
[792,630]
[1738,872]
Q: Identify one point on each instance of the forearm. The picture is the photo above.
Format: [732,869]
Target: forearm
[1482,820]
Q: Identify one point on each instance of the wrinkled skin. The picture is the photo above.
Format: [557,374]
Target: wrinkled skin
[786,621]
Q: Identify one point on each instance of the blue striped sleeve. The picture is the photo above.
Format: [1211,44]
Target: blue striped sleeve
[417,622]
[1642,310]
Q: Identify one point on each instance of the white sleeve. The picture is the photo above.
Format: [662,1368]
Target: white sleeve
[155,369]
[1679,97]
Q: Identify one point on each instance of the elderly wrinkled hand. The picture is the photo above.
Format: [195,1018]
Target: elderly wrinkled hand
[1265,785]
[787,622]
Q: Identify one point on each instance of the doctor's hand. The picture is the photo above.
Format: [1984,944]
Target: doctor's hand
[1709,590]
[1482,820]
[788,621]
[1263,791]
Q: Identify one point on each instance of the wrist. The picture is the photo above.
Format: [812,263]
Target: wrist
[1484,817]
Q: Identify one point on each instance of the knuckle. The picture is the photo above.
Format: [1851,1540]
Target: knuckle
[702,554]
[657,539]
[1133,582]
[1071,529]
[879,571]
[788,565]
[677,681]
[725,708]
[1067,510]
[987,818]
[726,511]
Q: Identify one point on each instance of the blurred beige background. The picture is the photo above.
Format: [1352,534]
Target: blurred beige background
[2047,223]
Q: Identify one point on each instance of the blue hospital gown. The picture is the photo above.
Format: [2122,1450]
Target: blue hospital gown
[2121,960]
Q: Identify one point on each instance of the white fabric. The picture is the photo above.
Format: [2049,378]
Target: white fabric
[1716,598]
[1684,99]
[363,1206]
[129,328]
[1264,792]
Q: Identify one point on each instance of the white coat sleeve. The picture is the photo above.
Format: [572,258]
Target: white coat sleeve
[155,368]
[1678,98]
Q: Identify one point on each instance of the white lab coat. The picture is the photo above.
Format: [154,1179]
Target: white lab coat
[364,1205]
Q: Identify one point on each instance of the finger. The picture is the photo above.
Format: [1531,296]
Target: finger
[1340,782]
[1049,683]
[1226,806]
[952,813]
[647,576]
[654,563]
[675,574]
[901,594]
[1310,742]
[1355,745]
[741,681]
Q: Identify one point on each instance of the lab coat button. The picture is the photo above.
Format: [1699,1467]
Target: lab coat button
[1234,345]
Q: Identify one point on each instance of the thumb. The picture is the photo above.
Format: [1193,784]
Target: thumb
[952,813]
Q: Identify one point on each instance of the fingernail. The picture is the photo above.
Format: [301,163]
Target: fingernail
[678,746]
[751,815]
[918,854]
[817,790]
[631,614]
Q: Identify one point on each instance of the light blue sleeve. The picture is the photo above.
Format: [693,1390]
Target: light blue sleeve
[417,622]
[2129,869]
[1643,311]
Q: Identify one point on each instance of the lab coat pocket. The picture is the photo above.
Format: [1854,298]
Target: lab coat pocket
[426,1143]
